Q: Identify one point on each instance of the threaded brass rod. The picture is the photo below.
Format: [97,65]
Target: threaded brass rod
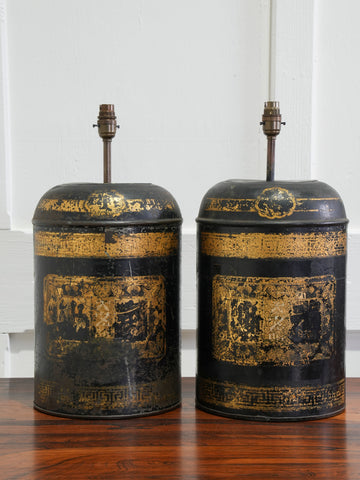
[107,161]
[270,169]
[271,122]
[107,130]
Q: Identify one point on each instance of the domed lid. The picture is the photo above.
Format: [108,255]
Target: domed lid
[272,202]
[253,202]
[106,204]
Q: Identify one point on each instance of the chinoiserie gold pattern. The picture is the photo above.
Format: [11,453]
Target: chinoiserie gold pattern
[274,245]
[272,203]
[105,244]
[127,310]
[275,202]
[273,320]
[281,399]
[160,393]
[110,204]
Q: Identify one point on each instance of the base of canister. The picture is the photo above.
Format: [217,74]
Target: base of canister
[106,417]
[267,418]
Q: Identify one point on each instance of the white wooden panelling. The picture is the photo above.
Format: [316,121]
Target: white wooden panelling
[5,362]
[188,353]
[352,353]
[5,144]
[16,282]
[21,347]
[353,281]
[291,70]
[188,80]
[336,149]
[188,282]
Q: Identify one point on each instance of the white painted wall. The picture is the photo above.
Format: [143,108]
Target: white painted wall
[188,79]
[336,136]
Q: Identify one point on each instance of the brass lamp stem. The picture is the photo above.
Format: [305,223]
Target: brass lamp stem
[107,130]
[271,122]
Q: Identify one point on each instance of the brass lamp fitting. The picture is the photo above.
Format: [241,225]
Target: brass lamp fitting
[271,122]
[107,130]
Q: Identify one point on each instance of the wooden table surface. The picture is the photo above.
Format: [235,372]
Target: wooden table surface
[185,443]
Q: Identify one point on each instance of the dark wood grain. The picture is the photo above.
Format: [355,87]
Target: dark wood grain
[184,443]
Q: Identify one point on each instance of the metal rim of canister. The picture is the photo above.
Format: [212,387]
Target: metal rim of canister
[223,221]
[107,223]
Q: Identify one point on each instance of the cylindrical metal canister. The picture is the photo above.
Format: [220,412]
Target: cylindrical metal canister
[107,300]
[271,295]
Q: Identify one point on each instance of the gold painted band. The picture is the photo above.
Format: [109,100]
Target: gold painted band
[274,245]
[248,205]
[101,245]
[106,204]
[280,399]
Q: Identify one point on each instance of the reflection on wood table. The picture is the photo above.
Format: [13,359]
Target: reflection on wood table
[182,444]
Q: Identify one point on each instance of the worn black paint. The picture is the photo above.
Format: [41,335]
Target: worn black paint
[99,363]
[318,372]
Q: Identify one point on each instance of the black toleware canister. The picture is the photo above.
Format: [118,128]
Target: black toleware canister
[271,295]
[107,296]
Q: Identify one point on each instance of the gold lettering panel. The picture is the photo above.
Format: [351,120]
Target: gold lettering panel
[127,310]
[274,245]
[278,321]
[105,245]
[280,399]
